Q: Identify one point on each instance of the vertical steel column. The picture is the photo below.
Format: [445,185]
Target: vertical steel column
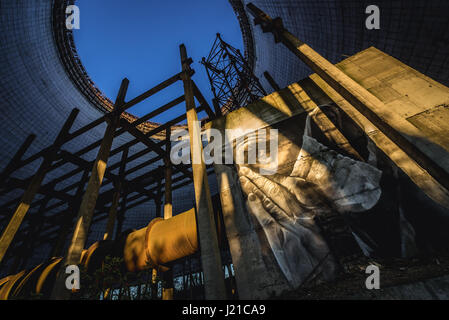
[210,253]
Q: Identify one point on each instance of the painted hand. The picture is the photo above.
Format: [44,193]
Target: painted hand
[295,240]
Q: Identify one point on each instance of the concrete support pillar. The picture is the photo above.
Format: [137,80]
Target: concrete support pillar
[116,198]
[154,284]
[121,215]
[254,279]
[12,165]
[33,187]
[89,201]
[210,253]
[158,197]
[93,187]
[36,224]
[66,228]
[112,216]
[168,204]
[167,289]
[403,133]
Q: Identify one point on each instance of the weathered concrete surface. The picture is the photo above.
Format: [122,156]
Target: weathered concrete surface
[268,110]
[379,79]
[336,29]
[256,277]
[214,285]
[407,94]
[256,273]
[260,261]
[347,185]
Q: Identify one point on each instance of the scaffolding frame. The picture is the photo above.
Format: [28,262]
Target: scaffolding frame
[232,80]
[148,186]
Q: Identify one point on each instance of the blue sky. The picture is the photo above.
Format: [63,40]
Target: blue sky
[139,39]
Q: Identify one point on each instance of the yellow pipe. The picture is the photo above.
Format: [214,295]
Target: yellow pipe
[161,242]
[46,273]
[171,239]
[25,279]
[8,286]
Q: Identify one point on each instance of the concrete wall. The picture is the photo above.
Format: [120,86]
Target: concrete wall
[412,101]
[315,179]
[413,31]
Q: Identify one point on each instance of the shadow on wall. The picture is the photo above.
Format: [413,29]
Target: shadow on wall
[384,212]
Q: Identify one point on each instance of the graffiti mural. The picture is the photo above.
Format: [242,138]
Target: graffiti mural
[286,205]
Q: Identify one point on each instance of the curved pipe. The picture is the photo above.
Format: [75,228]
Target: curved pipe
[161,242]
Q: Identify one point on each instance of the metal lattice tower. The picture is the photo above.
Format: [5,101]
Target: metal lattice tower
[233,82]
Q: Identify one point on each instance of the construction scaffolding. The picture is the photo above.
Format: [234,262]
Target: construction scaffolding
[85,202]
